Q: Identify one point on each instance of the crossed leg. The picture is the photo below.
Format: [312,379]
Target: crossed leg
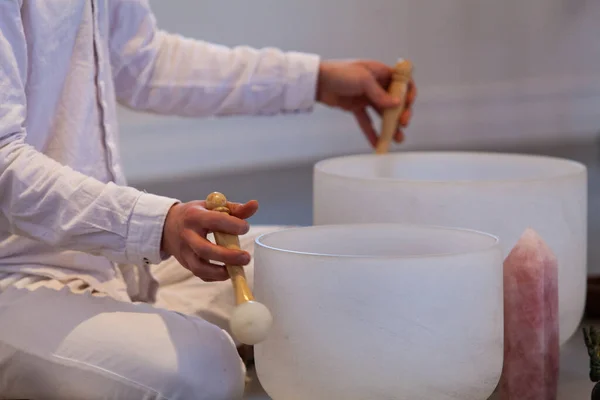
[57,344]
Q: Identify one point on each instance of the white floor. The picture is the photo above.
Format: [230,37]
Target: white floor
[574,382]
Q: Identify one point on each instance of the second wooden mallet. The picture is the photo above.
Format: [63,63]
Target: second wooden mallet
[399,89]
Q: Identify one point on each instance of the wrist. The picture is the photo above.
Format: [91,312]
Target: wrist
[319,83]
[145,228]
[170,230]
[323,72]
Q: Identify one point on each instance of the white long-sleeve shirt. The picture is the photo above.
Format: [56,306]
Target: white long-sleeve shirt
[65,209]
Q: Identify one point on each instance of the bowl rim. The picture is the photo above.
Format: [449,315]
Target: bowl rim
[577,168]
[495,244]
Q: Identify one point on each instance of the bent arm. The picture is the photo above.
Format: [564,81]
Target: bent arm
[166,73]
[49,202]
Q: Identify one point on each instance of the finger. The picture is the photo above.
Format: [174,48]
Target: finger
[383,74]
[377,95]
[405,117]
[199,218]
[406,109]
[381,71]
[366,125]
[205,249]
[243,211]
[399,136]
[203,269]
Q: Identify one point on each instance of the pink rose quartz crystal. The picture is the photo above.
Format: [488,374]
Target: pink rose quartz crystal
[531,344]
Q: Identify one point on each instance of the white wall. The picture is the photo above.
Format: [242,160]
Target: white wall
[489,72]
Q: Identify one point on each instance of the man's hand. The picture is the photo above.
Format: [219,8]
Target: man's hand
[184,237]
[354,86]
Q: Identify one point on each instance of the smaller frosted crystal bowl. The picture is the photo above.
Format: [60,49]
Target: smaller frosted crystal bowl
[380,311]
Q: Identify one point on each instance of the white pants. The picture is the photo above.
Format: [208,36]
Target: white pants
[57,342]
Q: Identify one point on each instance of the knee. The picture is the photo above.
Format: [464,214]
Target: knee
[209,368]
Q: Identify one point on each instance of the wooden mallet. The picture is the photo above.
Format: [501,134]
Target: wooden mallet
[399,89]
[250,321]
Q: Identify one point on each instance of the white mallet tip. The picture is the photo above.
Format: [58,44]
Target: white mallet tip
[250,322]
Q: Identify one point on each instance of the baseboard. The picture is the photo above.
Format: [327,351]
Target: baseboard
[546,109]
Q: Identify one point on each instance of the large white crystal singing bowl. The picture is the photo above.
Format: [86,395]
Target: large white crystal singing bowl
[382,311]
[502,194]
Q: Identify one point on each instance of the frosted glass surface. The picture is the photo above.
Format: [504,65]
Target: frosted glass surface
[380,311]
[502,194]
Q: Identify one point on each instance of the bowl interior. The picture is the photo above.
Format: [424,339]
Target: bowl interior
[450,167]
[377,241]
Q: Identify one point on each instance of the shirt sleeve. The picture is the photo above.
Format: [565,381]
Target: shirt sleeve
[169,74]
[52,203]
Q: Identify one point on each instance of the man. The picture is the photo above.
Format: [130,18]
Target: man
[106,291]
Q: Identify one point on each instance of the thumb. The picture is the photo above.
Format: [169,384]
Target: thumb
[377,95]
[243,211]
